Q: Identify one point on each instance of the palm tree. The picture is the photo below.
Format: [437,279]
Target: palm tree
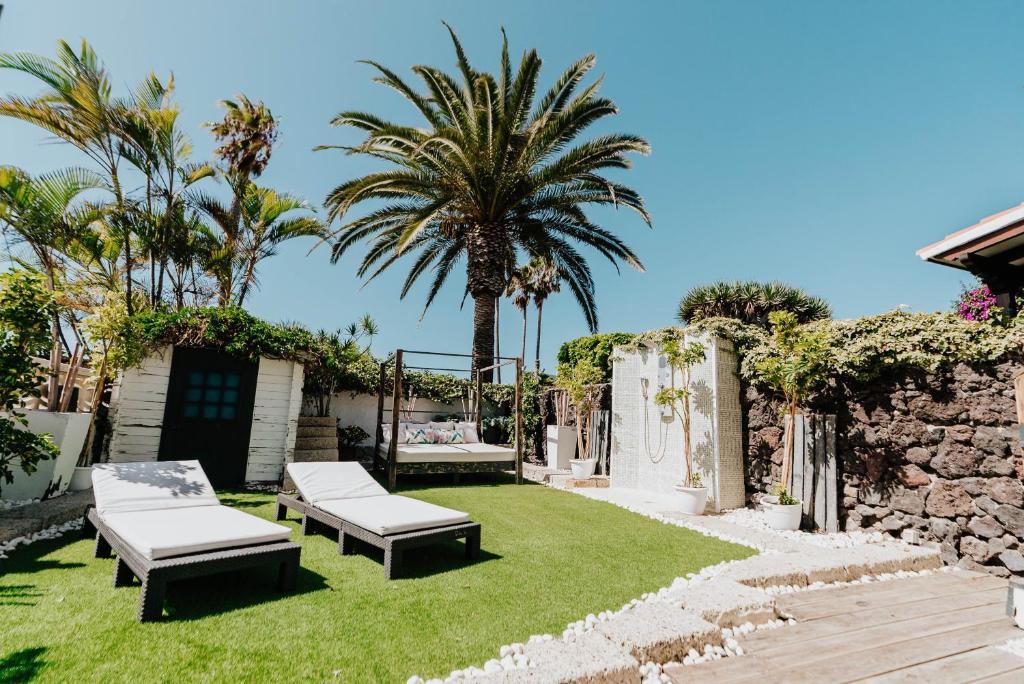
[78,108]
[492,174]
[263,216]
[545,280]
[153,143]
[520,290]
[41,212]
[751,302]
[246,134]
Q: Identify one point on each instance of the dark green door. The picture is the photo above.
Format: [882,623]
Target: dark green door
[208,413]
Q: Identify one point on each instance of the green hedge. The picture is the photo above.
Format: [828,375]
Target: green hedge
[594,348]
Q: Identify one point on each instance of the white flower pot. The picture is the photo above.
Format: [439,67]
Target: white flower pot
[783,517]
[81,479]
[561,446]
[692,500]
[52,476]
[583,468]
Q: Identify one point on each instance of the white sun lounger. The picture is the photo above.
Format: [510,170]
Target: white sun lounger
[164,522]
[344,497]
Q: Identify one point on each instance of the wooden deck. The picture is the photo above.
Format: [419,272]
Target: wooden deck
[939,628]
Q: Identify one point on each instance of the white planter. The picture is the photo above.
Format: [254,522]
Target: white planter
[52,476]
[783,517]
[81,479]
[583,468]
[561,446]
[692,500]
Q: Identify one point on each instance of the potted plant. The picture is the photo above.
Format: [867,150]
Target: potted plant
[349,439]
[795,365]
[582,385]
[561,437]
[693,495]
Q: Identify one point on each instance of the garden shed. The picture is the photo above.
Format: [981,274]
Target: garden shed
[236,415]
[647,441]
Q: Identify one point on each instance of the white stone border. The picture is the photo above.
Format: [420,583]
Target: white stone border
[51,532]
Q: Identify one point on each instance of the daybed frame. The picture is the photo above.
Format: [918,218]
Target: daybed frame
[391,464]
[155,574]
[314,519]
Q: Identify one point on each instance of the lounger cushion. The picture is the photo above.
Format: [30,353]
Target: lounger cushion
[150,485]
[320,481]
[451,453]
[159,534]
[392,514]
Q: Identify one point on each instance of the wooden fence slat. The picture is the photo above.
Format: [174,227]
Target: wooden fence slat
[831,480]
[807,458]
[820,484]
[796,486]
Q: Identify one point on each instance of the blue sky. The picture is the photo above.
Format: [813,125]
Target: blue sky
[818,143]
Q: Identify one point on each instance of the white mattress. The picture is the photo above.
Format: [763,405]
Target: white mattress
[177,531]
[150,485]
[452,453]
[392,514]
[319,481]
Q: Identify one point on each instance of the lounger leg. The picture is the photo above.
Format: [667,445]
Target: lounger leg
[122,574]
[102,549]
[345,544]
[151,604]
[88,529]
[287,574]
[308,526]
[392,562]
[282,511]
[473,546]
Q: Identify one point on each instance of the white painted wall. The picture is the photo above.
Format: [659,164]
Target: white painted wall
[647,443]
[138,411]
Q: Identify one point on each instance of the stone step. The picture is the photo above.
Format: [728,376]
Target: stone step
[307,455]
[303,442]
[316,431]
[567,481]
[321,421]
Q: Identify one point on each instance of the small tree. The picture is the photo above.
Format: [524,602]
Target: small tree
[796,366]
[332,354]
[682,358]
[26,308]
[582,384]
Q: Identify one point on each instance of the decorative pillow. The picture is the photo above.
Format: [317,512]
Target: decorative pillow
[420,436]
[449,437]
[469,434]
[441,425]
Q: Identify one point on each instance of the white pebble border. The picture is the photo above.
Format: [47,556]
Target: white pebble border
[1013,647]
[8,504]
[753,519]
[51,532]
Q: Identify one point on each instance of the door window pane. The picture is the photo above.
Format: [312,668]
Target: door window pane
[205,399]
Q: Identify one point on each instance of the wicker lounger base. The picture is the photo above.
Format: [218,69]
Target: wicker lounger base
[393,544]
[155,574]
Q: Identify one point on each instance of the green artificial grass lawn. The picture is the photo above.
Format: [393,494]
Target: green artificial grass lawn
[548,558]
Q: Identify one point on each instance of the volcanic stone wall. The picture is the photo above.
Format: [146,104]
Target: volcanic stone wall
[933,456]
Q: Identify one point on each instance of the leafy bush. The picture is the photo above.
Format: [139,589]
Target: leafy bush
[593,349]
[26,309]
[351,436]
[751,302]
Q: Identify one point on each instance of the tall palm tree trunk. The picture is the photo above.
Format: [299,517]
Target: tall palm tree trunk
[483,334]
[497,337]
[522,349]
[53,381]
[540,313]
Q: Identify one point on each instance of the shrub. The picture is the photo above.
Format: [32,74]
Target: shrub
[593,349]
[26,310]
[750,302]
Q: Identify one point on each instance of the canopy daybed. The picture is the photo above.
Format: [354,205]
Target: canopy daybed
[393,452]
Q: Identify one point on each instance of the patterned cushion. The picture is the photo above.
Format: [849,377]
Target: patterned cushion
[449,437]
[420,436]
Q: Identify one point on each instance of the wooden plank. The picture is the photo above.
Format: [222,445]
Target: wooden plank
[1011,677]
[820,647]
[820,485]
[960,578]
[1018,390]
[881,599]
[979,664]
[796,484]
[851,666]
[841,624]
[831,477]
